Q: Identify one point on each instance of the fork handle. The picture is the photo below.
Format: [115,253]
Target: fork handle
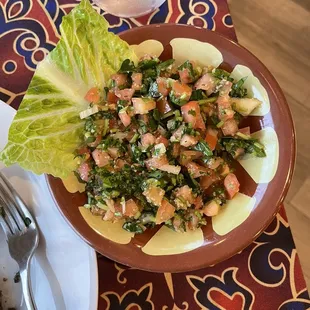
[26,285]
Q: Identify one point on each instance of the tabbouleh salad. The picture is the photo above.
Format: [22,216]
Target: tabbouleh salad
[159,142]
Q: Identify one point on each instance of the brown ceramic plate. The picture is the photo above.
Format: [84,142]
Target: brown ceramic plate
[268,196]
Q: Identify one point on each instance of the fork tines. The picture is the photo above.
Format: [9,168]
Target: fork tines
[14,216]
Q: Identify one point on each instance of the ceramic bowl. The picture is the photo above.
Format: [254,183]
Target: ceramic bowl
[266,194]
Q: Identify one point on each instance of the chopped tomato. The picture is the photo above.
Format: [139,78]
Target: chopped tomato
[185,76]
[207,180]
[163,133]
[232,185]
[145,118]
[93,95]
[200,124]
[165,212]
[163,106]
[225,112]
[230,127]
[114,152]
[192,224]
[198,202]
[130,208]
[185,192]
[225,170]
[101,158]
[136,80]
[162,139]
[113,123]
[177,222]
[125,118]
[162,86]
[154,195]
[143,105]
[176,149]
[147,140]
[111,97]
[187,156]
[119,78]
[119,164]
[215,162]
[196,170]
[191,114]
[170,168]
[181,90]
[207,82]
[156,162]
[125,94]
[211,208]
[83,171]
[225,89]
[245,130]
[223,101]
[188,140]
[96,142]
[211,138]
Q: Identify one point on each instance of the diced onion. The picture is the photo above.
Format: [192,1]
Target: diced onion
[159,150]
[89,111]
[170,169]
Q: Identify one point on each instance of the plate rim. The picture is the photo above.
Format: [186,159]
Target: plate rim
[276,89]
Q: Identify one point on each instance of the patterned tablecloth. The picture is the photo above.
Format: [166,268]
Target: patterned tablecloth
[265,276]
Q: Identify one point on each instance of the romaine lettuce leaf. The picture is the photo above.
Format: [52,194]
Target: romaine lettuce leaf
[47,128]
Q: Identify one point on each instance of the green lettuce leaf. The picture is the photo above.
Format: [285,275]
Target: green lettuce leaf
[47,128]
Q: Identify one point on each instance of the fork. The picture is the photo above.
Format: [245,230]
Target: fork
[21,233]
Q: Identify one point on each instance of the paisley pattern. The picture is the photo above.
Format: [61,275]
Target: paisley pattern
[131,298]
[225,292]
[266,275]
[29,29]
[274,251]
